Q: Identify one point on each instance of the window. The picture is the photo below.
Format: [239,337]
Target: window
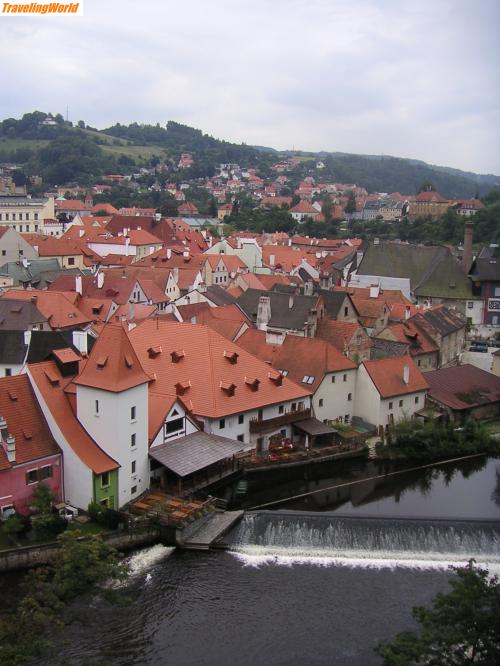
[307,379]
[21,252]
[390,405]
[241,418]
[321,402]
[281,409]
[46,472]
[346,311]
[470,305]
[36,217]
[344,378]
[105,480]
[400,403]
[132,413]
[294,406]
[349,397]
[174,426]
[32,476]
[346,418]
[97,407]
[260,414]
[4,252]
[8,372]
[284,372]
[241,438]
[104,502]
[133,490]
[333,379]
[71,261]
[419,363]
[132,440]
[222,424]
[132,467]
[416,399]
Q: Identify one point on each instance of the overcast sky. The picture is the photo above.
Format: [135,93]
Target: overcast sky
[413,78]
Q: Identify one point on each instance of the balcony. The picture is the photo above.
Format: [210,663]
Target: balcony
[265,425]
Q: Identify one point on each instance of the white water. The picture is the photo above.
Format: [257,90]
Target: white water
[321,540]
[259,556]
[142,561]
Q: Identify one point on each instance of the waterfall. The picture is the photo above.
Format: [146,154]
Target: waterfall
[288,537]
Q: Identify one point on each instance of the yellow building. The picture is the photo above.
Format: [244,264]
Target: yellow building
[24,213]
[428,204]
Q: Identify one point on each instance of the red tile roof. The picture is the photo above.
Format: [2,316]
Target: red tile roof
[299,356]
[340,333]
[387,375]
[25,421]
[202,359]
[113,364]
[55,306]
[53,393]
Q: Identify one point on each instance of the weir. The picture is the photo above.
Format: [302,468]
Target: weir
[409,542]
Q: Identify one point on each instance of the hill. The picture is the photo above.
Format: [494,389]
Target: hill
[62,153]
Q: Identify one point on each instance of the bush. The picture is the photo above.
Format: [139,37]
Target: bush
[107,517]
[15,525]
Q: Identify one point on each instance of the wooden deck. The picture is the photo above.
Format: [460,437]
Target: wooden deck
[212,529]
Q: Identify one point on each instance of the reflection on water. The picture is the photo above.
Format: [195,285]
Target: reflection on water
[437,491]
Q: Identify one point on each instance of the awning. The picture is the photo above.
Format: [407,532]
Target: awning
[314,427]
[197,451]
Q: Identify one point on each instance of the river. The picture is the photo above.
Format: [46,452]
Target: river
[319,581]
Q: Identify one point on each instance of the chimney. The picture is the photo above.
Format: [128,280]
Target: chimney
[290,301]
[467,253]
[374,291]
[80,341]
[127,243]
[406,374]
[157,217]
[272,260]
[407,312]
[169,252]
[27,338]
[81,233]
[78,284]
[10,440]
[263,313]
[131,310]
[185,254]
[289,242]
[100,280]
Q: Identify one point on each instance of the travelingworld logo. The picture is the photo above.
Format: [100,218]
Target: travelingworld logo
[42,9]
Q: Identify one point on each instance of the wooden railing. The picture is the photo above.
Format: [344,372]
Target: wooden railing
[261,425]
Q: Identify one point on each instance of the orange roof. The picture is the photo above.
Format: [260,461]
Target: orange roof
[225,319]
[70,204]
[305,208]
[399,311]
[387,375]
[195,353]
[299,357]
[113,364]
[55,306]
[107,207]
[67,355]
[51,385]
[286,258]
[25,420]
[49,246]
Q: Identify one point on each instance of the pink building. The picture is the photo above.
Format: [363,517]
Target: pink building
[28,453]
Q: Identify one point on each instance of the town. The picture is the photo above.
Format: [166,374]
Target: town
[151,354]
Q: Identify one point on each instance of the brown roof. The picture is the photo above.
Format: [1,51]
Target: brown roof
[51,385]
[387,375]
[113,364]
[463,386]
[418,341]
[340,333]
[25,421]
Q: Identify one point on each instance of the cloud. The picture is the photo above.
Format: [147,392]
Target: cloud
[371,76]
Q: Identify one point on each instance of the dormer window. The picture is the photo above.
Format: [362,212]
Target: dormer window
[177,356]
[228,388]
[252,383]
[307,379]
[232,357]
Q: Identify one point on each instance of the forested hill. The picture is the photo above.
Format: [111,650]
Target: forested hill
[63,153]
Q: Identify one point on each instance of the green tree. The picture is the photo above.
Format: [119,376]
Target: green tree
[461,627]
[351,203]
[79,566]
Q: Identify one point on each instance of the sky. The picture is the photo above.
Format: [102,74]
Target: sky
[417,79]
